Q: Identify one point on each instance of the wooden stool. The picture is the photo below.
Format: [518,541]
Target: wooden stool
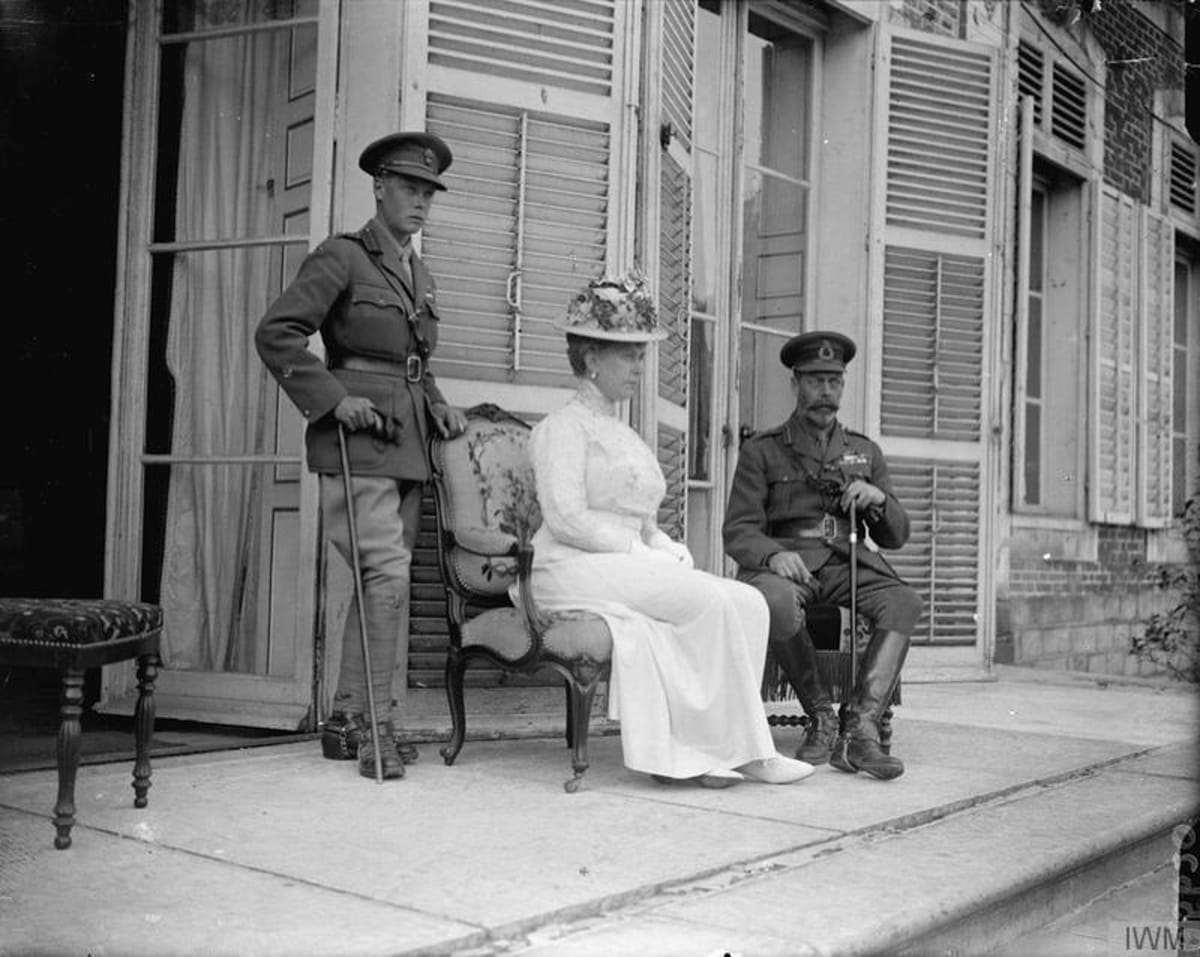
[74,635]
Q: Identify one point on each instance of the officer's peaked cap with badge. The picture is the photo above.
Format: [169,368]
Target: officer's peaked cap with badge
[818,352]
[419,155]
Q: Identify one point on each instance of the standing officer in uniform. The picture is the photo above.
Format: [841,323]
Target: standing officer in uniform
[375,305]
[787,527]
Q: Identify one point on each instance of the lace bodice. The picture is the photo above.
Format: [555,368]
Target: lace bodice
[598,483]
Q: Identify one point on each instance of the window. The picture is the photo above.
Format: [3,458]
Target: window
[1059,93]
[1050,342]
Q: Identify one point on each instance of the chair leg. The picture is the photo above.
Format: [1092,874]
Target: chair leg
[456,668]
[570,715]
[143,726]
[68,755]
[581,691]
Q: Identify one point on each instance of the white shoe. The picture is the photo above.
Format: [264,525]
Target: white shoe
[776,770]
[718,778]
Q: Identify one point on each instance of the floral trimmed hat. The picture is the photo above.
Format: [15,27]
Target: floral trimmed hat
[618,309]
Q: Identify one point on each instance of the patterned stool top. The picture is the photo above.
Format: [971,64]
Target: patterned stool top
[70,621]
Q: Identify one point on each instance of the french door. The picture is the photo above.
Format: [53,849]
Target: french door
[227,184]
[752,182]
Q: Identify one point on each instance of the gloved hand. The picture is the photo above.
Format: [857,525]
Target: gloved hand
[663,545]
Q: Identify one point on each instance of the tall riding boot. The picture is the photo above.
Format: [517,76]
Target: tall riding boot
[385,602]
[798,660]
[858,748]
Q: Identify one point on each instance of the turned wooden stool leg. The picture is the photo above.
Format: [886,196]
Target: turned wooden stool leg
[68,754]
[143,725]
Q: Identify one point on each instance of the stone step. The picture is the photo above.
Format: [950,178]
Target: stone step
[965,879]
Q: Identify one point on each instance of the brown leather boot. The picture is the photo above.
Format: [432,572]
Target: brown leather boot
[342,733]
[859,748]
[820,735]
[797,658]
[391,764]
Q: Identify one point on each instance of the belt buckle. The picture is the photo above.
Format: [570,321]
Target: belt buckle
[412,369]
[828,528]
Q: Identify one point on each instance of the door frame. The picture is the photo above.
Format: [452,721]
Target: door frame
[255,700]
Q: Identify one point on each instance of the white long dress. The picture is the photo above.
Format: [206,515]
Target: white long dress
[688,647]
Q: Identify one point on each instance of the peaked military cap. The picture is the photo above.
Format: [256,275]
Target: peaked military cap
[818,352]
[419,155]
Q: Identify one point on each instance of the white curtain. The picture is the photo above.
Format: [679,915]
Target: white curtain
[211,565]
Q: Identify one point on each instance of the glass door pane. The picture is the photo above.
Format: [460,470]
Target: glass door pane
[237,93]
[776,107]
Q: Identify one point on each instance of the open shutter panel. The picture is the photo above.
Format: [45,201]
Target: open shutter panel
[939,123]
[942,554]
[1157,420]
[1113,398]
[932,344]
[525,222]
[674,249]
[936,281]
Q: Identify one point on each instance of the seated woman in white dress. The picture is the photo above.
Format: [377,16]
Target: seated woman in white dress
[688,647]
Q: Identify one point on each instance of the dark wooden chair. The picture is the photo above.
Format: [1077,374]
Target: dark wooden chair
[73,635]
[831,638]
[487,512]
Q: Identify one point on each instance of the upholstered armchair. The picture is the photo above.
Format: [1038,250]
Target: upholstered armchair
[487,512]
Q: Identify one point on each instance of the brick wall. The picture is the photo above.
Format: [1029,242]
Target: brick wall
[933,16]
[1141,59]
[1080,615]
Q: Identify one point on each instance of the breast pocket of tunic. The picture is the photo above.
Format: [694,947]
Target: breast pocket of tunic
[783,488]
[376,321]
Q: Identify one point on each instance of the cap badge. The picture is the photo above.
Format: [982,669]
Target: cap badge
[429,158]
[825,350]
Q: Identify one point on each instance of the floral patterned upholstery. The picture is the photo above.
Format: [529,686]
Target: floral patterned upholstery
[487,513]
[62,621]
[72,635]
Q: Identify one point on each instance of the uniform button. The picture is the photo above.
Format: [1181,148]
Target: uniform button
[286,372]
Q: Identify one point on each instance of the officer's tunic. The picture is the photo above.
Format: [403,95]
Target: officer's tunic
[776,496]
[352,289]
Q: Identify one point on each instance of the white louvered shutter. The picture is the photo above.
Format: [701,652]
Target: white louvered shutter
[941,558]
[674,30]
[1157,356]
[1114,399]
[936,293]
[529,95]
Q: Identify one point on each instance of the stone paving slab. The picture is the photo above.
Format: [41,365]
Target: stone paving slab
[245,851]
[109,895]
[876,893]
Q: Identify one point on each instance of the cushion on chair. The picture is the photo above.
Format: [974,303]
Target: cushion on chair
[489,499]
[571,634]
[62,621]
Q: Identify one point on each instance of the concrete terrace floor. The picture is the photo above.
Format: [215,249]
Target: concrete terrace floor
[1012,785]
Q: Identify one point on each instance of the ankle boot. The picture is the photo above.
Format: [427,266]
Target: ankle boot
[798,660]
[343,731]
[858,748]
[390,761]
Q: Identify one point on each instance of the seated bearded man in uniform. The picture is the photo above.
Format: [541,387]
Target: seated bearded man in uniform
[787,526]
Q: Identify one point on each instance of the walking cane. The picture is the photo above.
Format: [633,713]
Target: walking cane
[352,524]
[853,597]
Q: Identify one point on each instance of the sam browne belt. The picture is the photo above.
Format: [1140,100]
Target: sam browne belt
[412,369]
[831,528]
